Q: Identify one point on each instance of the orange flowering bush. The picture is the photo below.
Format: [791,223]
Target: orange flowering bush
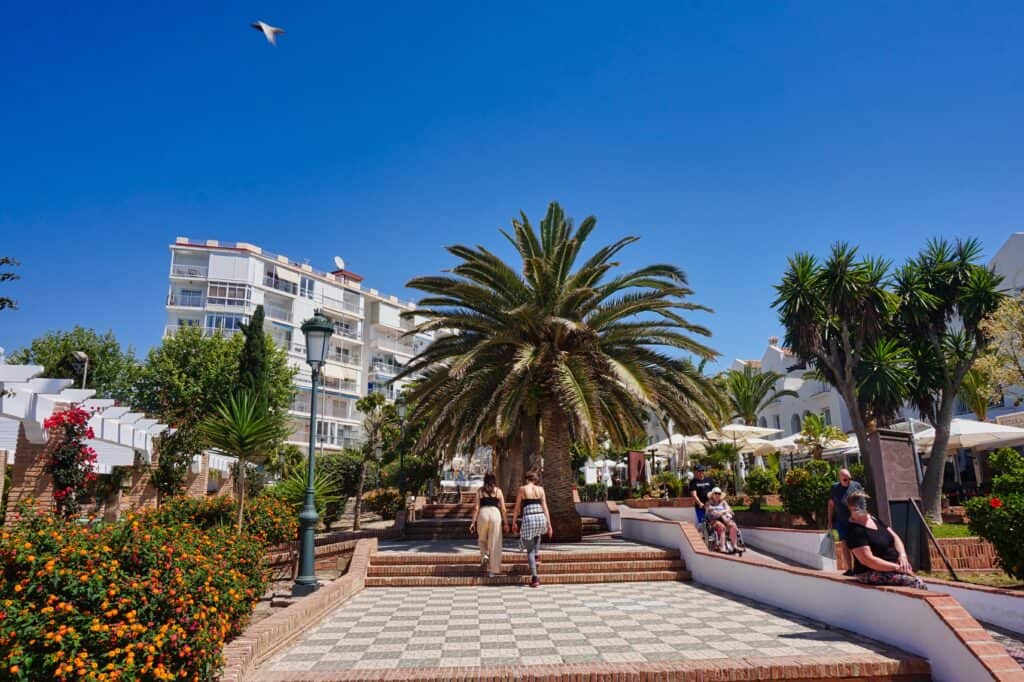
[268,519]
[153,596]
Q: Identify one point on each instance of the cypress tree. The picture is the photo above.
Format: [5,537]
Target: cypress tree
[252,369]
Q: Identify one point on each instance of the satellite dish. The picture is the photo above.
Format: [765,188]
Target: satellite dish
[339,262]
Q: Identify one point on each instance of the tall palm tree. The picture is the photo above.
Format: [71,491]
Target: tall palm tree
[243,427]
[573,344]
[750,392]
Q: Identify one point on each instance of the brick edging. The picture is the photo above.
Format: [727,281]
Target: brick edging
[752,668]
[263,639]
[1016,594]
[989,653]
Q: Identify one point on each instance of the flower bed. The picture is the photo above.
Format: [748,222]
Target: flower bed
[153,596]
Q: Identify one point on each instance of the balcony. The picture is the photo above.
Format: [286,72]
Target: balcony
[189,271]
[352,359]
[185,300]
[172,329]
[347,333]
[339,305]
[278,313]
[279,284]
[394,345]
[385,369]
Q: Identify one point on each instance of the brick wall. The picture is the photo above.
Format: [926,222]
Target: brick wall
[966,554]
[196,484]
[28,479]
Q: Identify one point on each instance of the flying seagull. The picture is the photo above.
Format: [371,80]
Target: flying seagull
[271,32]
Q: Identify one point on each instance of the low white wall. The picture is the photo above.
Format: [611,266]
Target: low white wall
[902,621]
[687,514]
[600,510]
[1003,610]
[801,547]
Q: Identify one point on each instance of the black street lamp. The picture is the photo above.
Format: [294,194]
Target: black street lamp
[318,330]
[650,472]
[401,408]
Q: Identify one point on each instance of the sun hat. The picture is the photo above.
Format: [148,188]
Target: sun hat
[714,490]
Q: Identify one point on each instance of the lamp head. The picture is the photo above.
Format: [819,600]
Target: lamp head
[317,330]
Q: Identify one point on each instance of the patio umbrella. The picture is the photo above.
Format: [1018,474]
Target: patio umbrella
[740,434]
[967,433]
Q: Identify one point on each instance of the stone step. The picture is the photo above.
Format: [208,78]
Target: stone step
[546,579]
[519,568]
[550,557]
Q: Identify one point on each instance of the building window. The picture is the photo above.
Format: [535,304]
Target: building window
[187,322]
[794,423]
[762,422]
[777,422]
[222,321]
[225,293]
[827,415]
[306,288]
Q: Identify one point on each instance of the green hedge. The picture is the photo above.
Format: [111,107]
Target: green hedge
[999,518]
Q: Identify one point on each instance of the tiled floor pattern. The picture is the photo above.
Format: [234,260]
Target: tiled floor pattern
[389,628]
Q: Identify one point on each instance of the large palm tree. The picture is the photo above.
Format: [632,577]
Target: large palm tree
[569,342]
[750,392]
[243,427]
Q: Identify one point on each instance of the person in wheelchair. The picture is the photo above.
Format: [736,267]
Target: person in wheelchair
[720,519]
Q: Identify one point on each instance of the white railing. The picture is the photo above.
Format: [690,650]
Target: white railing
[277,313]
[172,329]
[185,300]
[279,284]
[346,332]
[346,358]
[385,368]
[385,343]
[184,270]
[338,304]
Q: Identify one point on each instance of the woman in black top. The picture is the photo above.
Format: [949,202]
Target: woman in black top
[489,520]
[878,553]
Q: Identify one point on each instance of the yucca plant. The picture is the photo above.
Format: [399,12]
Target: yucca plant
[243,427]
[563,339]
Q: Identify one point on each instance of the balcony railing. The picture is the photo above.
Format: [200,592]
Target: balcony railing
[279,284]
[172,329]
[338,304]
[394,345]
[346,332]
[193,271]
[185,300]
[345,358]
[384,368]
[277,313]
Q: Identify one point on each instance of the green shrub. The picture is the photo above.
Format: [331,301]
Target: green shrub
[593,492]
[618,492]
[999,518]
[723,478]
[154,596]
[760,482]
[330,504]
[383,501]
[669,480]
[267,519]
[805,491]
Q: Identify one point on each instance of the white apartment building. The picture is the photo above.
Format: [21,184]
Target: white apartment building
[216,286]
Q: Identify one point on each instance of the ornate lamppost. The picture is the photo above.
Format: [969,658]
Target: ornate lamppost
[401,408]
[317,330]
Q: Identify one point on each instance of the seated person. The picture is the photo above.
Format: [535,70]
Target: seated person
[878,553]
[721,517]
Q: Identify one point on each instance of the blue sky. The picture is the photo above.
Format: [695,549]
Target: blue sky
[726,135]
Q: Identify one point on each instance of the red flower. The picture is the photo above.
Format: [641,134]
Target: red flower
[995,503]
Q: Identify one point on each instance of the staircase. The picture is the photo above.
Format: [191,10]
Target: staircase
[450,521]
[408,569]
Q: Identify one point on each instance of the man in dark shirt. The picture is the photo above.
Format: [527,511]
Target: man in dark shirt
[839,514]
[700,486]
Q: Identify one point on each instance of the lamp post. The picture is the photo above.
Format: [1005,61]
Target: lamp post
[318,330]
[401,407]
[80,360]
[650,472]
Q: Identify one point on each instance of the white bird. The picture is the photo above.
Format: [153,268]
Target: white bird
[270,32]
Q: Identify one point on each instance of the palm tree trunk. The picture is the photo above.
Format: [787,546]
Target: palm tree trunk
[558,476]
[530,460]
[931,486]
[357,509]
[241,493]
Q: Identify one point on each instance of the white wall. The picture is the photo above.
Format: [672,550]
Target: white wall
[902,621]
[802,547]
[229,267]
[686,514]
[600,510]
[1002,610]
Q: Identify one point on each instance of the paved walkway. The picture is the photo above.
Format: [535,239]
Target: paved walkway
[389,628]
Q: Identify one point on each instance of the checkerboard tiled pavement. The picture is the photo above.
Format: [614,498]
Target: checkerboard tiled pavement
[387,628]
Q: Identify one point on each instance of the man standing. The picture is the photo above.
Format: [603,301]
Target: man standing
[839,513]
[700,486]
